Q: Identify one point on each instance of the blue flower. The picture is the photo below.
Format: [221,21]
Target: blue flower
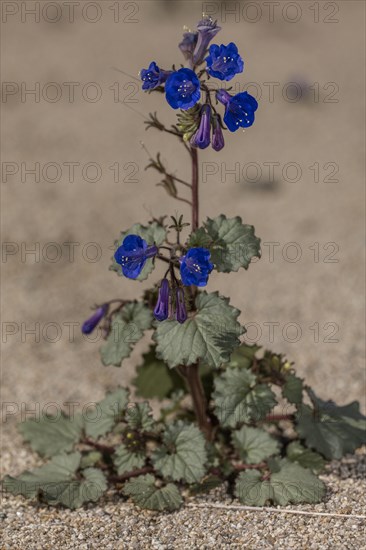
[239,109]
[188,44]
[202,138]
[90,324]
[217,136]
[153,76]
[132,255]
[224,62]
[182,89]
[181,311]
[195,267]
[161,311]
[207,30]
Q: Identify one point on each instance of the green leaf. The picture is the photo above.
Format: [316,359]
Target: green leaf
[139,416]
[52,435]
[107,413]
[145,494]
[254,445]
[331,430]
[90,459]
[199,238]
[127,329]
[238,398]
[211,335]
[55,482]
[126,460]
[183,455]
[154,378]
[233,244]
[305,457]
[243,356]
[291,484]
[292,389]
[153,233]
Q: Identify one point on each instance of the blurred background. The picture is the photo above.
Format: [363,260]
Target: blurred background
[73,177]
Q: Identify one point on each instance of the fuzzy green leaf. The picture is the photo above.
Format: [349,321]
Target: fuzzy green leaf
[211,335]
[233,244]
[292,389]
[305,457]
[183,455]
[238,398]
[291,484]
[243,356]
[145,494]
[55,482]
[127,329]
[199,238]
[331,430]
[107,413]
[153,233]
[52,435]
[126,460]
[154,378]
[254,445]
[139,416]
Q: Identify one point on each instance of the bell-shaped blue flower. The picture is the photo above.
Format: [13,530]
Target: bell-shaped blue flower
[224,62]
[207,30]
[90,324]
[188,44]
[153,76]
[132,255]
[202,137]
[239,109]
[161,311]
[182,89]
[180,311]
[195,267]
[217,135]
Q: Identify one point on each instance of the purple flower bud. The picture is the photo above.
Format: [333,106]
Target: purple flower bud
[188,44]
[91,323]
[207,30]
[161,311]
[202,137]
[217,135]
[181,312]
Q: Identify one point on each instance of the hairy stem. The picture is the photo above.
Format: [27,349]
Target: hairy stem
[195,197]
[191,375]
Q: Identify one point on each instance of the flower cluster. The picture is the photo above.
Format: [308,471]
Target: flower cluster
[184,87]
[194,266]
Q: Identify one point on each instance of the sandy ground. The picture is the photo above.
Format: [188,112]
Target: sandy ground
[307,206]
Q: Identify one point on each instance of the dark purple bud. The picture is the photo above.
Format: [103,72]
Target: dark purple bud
[207,30]
[217,135]
[202,137]
[91,323]
[188,44]
[181,312]
[161,311]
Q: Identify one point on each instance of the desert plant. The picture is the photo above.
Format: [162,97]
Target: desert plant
[218,423]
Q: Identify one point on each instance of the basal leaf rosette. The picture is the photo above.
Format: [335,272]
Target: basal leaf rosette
[289,484]
[210,335]
[232,243]
[60,481]
[153,233]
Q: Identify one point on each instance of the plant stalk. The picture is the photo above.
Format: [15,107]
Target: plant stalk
[191,375]
[195,196]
